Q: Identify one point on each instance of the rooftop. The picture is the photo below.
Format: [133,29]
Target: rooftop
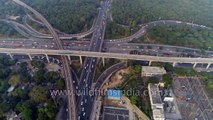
[114,113]
[156,70]
[154,94]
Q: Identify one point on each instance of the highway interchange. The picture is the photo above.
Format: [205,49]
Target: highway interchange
[51,44]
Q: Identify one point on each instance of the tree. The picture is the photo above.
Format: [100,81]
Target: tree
[18,92]
[167,78]
[39,94]
[136,70]
[48,112]
[14,80]
[134,99]
[41,114]
[60,84]
[37,64]
[168,67]
[52,76]
[39,76]
[3,86]
[25,109]
[4,72]
[159,64]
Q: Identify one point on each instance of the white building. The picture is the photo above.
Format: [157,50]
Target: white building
[156,102]
[149,71]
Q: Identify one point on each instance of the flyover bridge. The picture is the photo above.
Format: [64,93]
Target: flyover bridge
[69,53]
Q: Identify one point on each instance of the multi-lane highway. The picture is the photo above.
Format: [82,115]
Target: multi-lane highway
[86,79]
[156,49]
[66,70]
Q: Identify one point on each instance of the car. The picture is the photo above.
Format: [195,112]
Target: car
[84,79]
[85,100]
[82,109]
[82,103]
[84,114]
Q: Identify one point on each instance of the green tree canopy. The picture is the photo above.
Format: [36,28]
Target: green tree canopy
[39,94]
[14,80]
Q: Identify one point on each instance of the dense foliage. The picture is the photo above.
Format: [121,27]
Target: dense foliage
[67,15]
[138,87]
[6,31]
[30,94]
[208,81]
[113,30]
[181,35]
[132,12]
[8,8]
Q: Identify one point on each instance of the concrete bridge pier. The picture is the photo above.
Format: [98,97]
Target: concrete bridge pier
[69,58]
[30,56]
[103,60]
[195,64]
[174,64]
[81,60]
[48,60]
[209,64]
[150,63]
[11,56]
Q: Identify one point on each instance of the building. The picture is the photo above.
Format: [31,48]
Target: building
[115,113]
[114,94]
[148,71]
[156,102]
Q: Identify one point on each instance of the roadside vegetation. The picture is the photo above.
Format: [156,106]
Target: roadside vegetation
[135,12]
[114,30]
[69,16]
[38,27]
[8,8]
[181,35]
[8,31]
[100,68]
[136,84]
[24,88]
[208,81]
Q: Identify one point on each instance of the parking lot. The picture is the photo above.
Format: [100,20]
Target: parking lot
[192,98]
